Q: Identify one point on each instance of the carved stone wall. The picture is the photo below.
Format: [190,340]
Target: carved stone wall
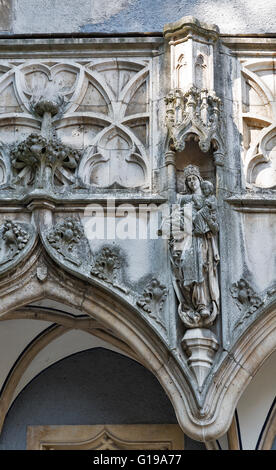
[137,177]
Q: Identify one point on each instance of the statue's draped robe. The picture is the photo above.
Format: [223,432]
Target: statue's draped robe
[199,263]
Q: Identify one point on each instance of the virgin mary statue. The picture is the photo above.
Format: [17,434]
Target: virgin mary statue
[195,255]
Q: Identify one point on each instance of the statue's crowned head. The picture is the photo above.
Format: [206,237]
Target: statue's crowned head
[190,172]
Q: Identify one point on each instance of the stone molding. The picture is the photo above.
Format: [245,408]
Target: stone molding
[246,298]
[106,437]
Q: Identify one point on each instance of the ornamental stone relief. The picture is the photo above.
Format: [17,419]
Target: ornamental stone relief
[192,105]
[246,299]
[106,437]
[64,238]
[195,111]
[42,163]
[259,123]
[82,125]
[15,239]
[152,300]
[115,161]
[107,265]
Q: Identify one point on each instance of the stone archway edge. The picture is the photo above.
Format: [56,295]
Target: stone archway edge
[227,384]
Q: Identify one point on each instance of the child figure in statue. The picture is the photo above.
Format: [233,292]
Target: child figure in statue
[206,215]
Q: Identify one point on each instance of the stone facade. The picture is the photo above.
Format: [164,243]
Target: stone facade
[137,187]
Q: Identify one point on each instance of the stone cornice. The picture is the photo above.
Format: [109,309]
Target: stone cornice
[81,199]
[253,203]
[81,47]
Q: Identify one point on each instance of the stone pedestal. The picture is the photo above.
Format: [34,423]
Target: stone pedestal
[200,345]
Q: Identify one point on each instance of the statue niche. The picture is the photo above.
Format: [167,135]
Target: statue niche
[192,155]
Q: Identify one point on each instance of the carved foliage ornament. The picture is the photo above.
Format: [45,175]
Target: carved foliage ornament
[68,240]
[193,112]
[106,266]
[152,300]
[14,237]
[247,300]
[42,162]
[64,237]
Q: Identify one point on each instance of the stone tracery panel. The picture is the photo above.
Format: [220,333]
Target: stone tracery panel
[259,131]
[98,108]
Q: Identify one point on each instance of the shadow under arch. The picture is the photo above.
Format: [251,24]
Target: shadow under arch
[201,421]
[115,404]
[116,317]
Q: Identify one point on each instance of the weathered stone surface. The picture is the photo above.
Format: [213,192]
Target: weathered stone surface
[85,141]
[6,17]
[64,237]
[152,300]
[16,238]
